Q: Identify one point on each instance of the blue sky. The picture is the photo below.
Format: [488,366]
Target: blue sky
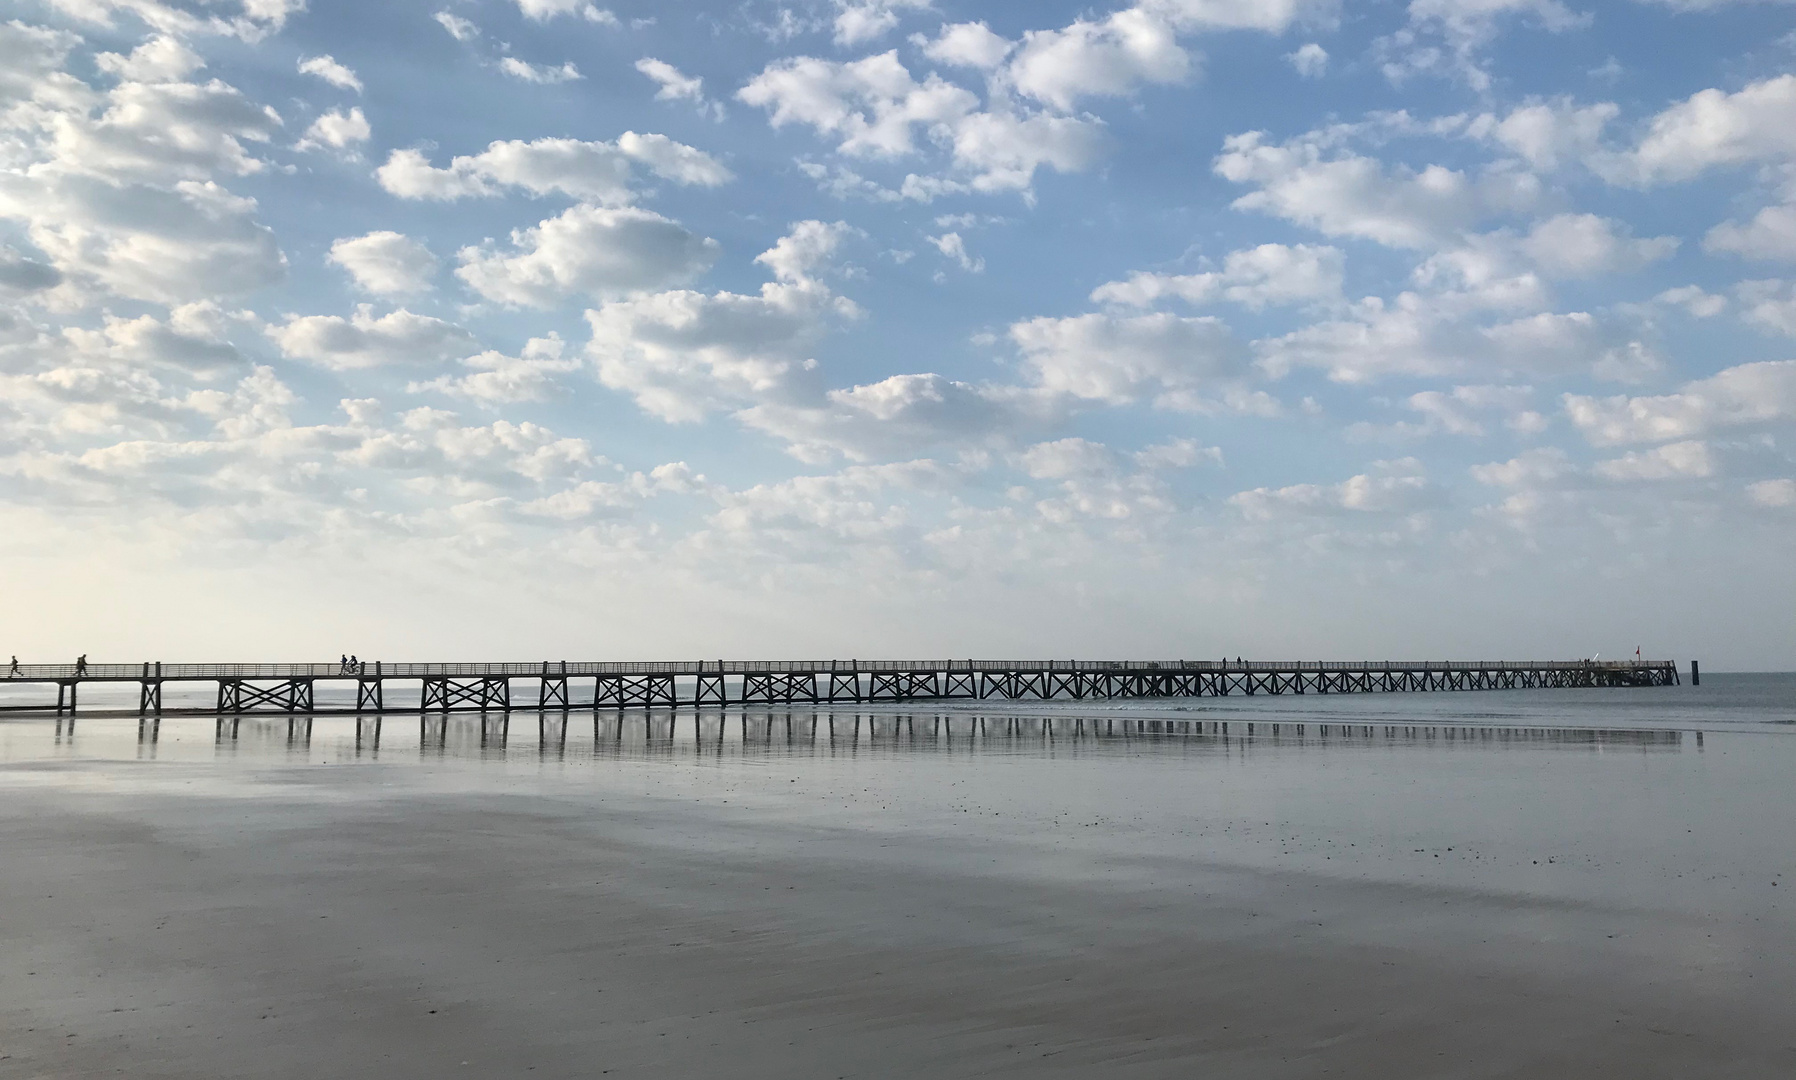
[1460,328]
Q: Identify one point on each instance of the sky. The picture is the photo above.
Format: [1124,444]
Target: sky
[525,329]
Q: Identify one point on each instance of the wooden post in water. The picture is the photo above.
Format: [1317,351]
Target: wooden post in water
[1695,674]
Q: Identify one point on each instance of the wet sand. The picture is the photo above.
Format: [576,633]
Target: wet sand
[1156,913]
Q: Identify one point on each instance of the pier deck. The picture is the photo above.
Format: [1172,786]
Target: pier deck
[485,687]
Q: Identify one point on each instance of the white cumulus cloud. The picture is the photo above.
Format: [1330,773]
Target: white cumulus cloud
[193,241]
[1311,61]
[327,68]
[1104,58]
[1689,459]
[683,354]
[970,44]
[1771,234]
[1394,487]
[1252,277]
[1712,128]
[1770,305]
[541,74]
[591,252]
[459,28]
[338,129]
[952,246]
[544,10]
[873,109]
[250,20]
[386,263]
[1170,359]
[363,340]
[1340,193]
[675,84]
[599,172]
[1745,394]
[858,21]
[160,59]
[1773,494]
[872,104]
[494,379]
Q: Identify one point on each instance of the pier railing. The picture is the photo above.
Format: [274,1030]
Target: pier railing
[556,668]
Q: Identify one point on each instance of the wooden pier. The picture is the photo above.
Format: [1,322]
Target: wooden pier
[560,685]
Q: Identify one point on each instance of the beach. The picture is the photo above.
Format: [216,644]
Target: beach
[1413,905]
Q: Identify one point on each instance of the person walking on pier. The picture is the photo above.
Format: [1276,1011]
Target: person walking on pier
[13,673]
[343,663]
[81,664]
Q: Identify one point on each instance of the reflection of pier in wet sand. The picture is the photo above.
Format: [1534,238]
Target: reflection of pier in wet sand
[713,729]
[443,688]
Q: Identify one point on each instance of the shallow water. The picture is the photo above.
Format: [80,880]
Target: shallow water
[1526,883]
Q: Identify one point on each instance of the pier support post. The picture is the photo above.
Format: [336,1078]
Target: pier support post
[553,690]
[1695,674]
[844,685]
[369,693]
[150,699]
[709,689]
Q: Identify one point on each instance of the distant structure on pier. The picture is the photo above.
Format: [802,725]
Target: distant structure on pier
[291,688]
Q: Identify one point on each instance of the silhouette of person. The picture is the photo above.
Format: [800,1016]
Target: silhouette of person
[81,664]
[15,668]
[354,664]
